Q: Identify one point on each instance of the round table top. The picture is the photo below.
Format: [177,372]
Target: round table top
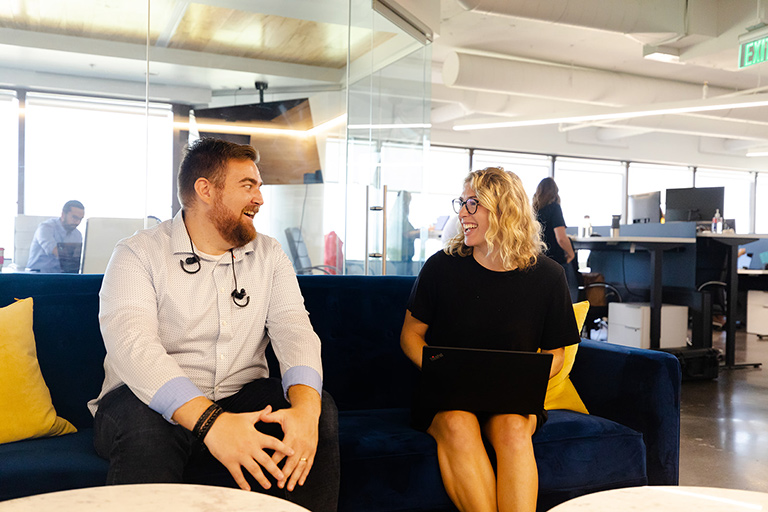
[151,497]
[663,498]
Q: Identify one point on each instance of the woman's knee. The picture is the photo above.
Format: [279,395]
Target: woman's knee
[459,428]
[510,430]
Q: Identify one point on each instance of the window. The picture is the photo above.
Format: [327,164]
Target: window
[761,204]
[105,153]
[9,168]
[738,189]
[590,187]
[530,168]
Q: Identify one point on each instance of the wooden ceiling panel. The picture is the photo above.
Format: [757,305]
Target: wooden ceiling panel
[202,28]
[260,36]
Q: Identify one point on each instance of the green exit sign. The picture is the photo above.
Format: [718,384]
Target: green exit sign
[753,52]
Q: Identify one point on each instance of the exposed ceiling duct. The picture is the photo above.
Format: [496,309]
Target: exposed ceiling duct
[624,17]
[542,89]
[539,61]
[654,22]
[558,82]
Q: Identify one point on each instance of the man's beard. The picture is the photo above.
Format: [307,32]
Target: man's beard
[230,226]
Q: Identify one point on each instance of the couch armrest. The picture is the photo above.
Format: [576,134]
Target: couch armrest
[637,388]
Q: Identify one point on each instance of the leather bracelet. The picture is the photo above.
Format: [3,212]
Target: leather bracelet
[201,420]
[209,422]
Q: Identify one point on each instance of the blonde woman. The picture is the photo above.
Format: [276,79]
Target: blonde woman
[490,288]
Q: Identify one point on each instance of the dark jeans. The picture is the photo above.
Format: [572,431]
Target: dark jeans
[142,447]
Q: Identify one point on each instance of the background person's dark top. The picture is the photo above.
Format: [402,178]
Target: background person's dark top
[551,217]
[467,305]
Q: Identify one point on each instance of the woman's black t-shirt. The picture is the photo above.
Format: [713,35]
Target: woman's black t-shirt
[467,305]
[551,217]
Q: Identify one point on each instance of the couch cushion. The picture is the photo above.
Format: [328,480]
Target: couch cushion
[51,464]
[587,452]
[578,454]
[384,462]
[26,410]
[561,394]
[359,323]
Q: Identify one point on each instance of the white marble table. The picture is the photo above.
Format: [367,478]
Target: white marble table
[667,499]
[151,497]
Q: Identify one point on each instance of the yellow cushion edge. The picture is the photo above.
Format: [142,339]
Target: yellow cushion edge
[26,410]
[561,393]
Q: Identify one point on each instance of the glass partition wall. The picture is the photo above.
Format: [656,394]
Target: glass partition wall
[98,100]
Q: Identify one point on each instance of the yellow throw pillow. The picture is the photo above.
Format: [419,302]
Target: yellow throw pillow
[26,410]
[560,392]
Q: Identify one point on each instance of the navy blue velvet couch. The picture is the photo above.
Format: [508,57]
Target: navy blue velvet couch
[630,439]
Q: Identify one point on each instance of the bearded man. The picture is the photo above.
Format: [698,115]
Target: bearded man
[186,377]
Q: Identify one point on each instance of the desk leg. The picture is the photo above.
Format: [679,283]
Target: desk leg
[656,257]
[732,295]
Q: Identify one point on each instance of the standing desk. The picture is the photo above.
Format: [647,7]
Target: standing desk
[655,247]
[731,243]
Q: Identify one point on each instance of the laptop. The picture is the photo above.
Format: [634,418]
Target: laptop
[69,257]
[489,381]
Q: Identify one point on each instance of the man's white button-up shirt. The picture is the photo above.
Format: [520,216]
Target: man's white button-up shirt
[172,336]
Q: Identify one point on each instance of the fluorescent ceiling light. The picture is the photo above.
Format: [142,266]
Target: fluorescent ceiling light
[661,54]
[757,152]
[663,57]
[609,114]
[245,129]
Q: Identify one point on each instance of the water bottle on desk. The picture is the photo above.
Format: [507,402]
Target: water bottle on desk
[717,222]
[586,227]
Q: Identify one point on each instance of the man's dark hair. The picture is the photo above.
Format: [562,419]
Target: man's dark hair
[72,204]
[207,158]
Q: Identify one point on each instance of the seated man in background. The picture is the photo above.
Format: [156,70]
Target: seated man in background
[44,252]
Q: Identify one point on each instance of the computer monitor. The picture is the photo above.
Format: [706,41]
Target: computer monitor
[644,208]
[694,204]
[101,236]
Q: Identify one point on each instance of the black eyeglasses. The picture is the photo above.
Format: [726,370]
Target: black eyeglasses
[470,203]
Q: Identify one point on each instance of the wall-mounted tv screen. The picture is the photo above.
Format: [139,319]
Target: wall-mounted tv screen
[694,204]
[286,156]
[644,208]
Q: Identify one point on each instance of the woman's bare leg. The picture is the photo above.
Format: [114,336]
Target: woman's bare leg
[517,475]
[464,465]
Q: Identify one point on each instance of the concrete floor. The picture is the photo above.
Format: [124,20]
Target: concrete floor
[724,422]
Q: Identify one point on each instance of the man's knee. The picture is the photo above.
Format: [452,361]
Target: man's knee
[329,416]
[122,417]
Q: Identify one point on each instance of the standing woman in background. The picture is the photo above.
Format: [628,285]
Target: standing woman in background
[546,204]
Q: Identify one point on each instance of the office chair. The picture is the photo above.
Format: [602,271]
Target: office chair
[599,294]
[298,252]
[719,302]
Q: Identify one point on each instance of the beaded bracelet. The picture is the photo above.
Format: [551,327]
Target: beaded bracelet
[209,422]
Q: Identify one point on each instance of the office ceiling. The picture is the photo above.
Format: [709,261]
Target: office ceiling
[536,62]
[493,60]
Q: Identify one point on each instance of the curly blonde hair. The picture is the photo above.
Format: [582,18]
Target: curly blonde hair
[513,229]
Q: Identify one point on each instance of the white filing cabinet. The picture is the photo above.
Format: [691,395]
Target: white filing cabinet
[757,312]
[629,323]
